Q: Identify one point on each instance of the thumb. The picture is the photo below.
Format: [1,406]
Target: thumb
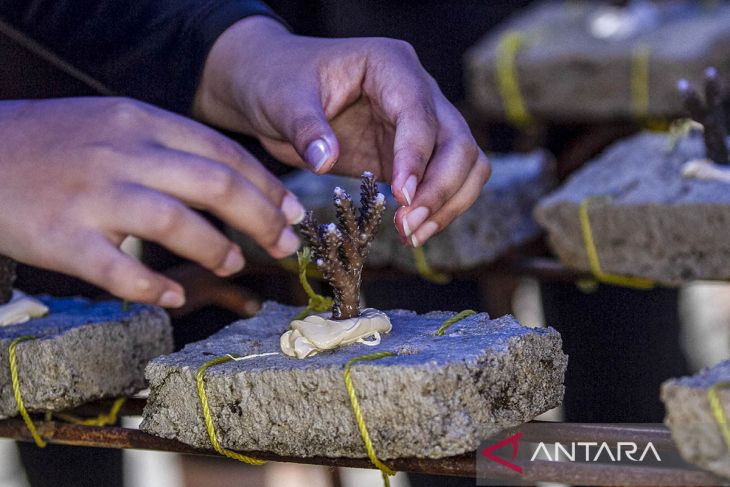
[313,138]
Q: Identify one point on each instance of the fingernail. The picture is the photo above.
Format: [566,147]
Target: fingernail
[171,299]
[424,233]
[292,209]
[317,154]
[288,242]
[414,219]
[409,189]
[232,263]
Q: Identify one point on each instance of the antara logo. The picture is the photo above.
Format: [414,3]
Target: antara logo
[593,452]
[580,451]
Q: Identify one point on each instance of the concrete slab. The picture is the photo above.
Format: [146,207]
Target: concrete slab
[568,74]
[83,351]
[658,224]
[438,397]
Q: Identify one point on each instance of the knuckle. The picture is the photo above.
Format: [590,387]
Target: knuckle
[167,218]
[110,273]
[484,167]
[428,111]
[218,183]
[404,47]
[467,148]
[438,194]
[441,193]
[124,112]
[412,155]
[223,147]
[304,127]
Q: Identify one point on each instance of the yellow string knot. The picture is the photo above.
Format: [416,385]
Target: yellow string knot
[208,418]
[592,253]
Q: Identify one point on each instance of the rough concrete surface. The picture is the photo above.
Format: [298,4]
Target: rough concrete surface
[658,224]
[83,351]
[499,220]
[565,73]
[439,397]
[694,429]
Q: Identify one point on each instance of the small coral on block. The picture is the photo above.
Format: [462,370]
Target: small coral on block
[340,249]
[710,113]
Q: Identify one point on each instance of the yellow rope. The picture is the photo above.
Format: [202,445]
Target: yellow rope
[103,419]
[425,270]
[292,265]
[209,418]
[718,412]
[16,391]
[454,319]
[317,302]
[384,469]
[640,56]
[594,261]
[508,81]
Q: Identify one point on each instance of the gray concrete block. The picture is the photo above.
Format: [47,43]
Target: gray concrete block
[567,74]
[83,351]
[658,224]
[439,397]
[694,429]
[499,220]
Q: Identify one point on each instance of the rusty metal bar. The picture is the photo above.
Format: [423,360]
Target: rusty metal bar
[116,437]
[462,466]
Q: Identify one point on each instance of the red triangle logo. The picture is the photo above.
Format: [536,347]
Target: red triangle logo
[512,440]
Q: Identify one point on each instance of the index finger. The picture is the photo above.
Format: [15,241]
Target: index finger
[189,136]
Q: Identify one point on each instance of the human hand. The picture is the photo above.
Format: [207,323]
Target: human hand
[77,176]
[365,102]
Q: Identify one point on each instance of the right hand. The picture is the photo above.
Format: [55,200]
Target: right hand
[77,176]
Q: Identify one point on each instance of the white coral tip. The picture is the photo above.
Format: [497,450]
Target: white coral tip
[380,199]
[367,174]
[331,228]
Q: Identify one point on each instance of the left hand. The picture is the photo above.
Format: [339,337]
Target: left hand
[365,102]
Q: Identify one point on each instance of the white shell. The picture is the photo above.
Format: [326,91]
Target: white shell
[316,333]
[21,308]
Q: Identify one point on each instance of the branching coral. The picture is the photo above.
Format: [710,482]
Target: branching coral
[710,113]
[340,249]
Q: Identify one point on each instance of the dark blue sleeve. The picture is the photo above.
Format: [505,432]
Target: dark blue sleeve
[152,50]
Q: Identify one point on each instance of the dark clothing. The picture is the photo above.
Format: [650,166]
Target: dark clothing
[152,50]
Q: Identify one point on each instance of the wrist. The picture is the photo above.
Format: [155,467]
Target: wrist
[231,68]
